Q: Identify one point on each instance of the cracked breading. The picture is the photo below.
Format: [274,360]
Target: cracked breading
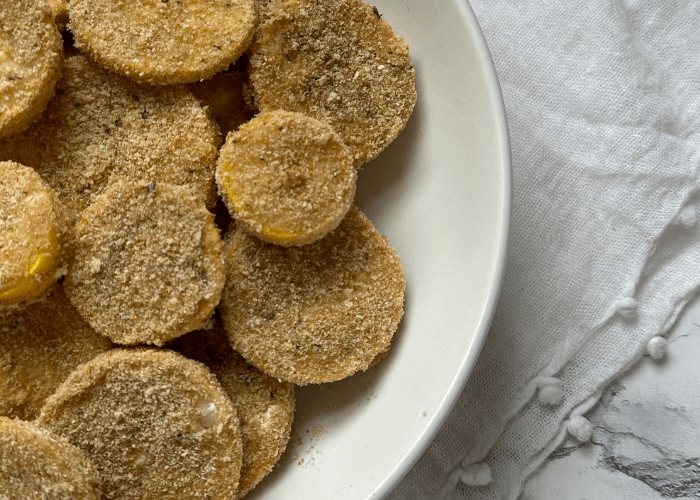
[338,62]
[163,42]
[36,464]
[39,348]
[156,424]
[224,95]
[147,263]
[30,62]
[286,178]
[101,127]
[60,12]
[265,405]
[316,313]
[33,229]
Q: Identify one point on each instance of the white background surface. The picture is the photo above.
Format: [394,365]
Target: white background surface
[646,437]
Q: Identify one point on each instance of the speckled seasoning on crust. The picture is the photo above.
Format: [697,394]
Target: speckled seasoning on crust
[128,148]
[101,128]
[156,424]
[286,178]
[316,313]
[39,347]
[147,263]
[265,405]
[163,42]
[36,464]
[336,61]
[33,229]
[30,62]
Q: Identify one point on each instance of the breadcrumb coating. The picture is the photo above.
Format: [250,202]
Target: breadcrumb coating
[101,128]
[166,41]
[60,13]
[147,263]
[36,464]
[336,61]
[30,62]
[156,424]
[261,10]
[39,348]
[33,228]
[223,94]
[286,178]
[134,164]
[316,313]
[265,405]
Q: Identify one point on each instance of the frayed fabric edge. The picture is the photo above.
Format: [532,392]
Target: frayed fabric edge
[531,387]
[589,402]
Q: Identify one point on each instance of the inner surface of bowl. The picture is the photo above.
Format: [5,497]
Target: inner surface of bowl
[441,194]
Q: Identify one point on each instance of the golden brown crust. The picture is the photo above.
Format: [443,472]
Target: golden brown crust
[339,62]
[147,263]
[30,62]
[223,93]
[36,464]
[163,42]
[39,348]
[101,128]
[156,424]
[60,12]
[265,405]
[261,10]
[316,313]
[33,229]
[286,178]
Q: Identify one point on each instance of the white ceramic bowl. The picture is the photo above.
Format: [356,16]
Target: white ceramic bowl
[441,193]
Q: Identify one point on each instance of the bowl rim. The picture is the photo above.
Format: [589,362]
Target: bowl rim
[469,361]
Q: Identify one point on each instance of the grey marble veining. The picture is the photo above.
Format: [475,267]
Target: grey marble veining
[646,433]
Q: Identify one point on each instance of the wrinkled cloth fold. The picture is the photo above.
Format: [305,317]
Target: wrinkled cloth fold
[603,107]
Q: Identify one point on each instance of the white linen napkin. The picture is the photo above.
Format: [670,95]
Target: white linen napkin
[603,104]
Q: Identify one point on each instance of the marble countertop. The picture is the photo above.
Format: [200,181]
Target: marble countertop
[646,432]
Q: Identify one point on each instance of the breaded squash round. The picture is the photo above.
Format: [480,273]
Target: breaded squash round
[339,62]
[286,178]
[316,313]
[163,41]
[156,424]
[30,62]
[33,227]
[147,263]
[101,128]
[265,405]
[36,464]
[39,347]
